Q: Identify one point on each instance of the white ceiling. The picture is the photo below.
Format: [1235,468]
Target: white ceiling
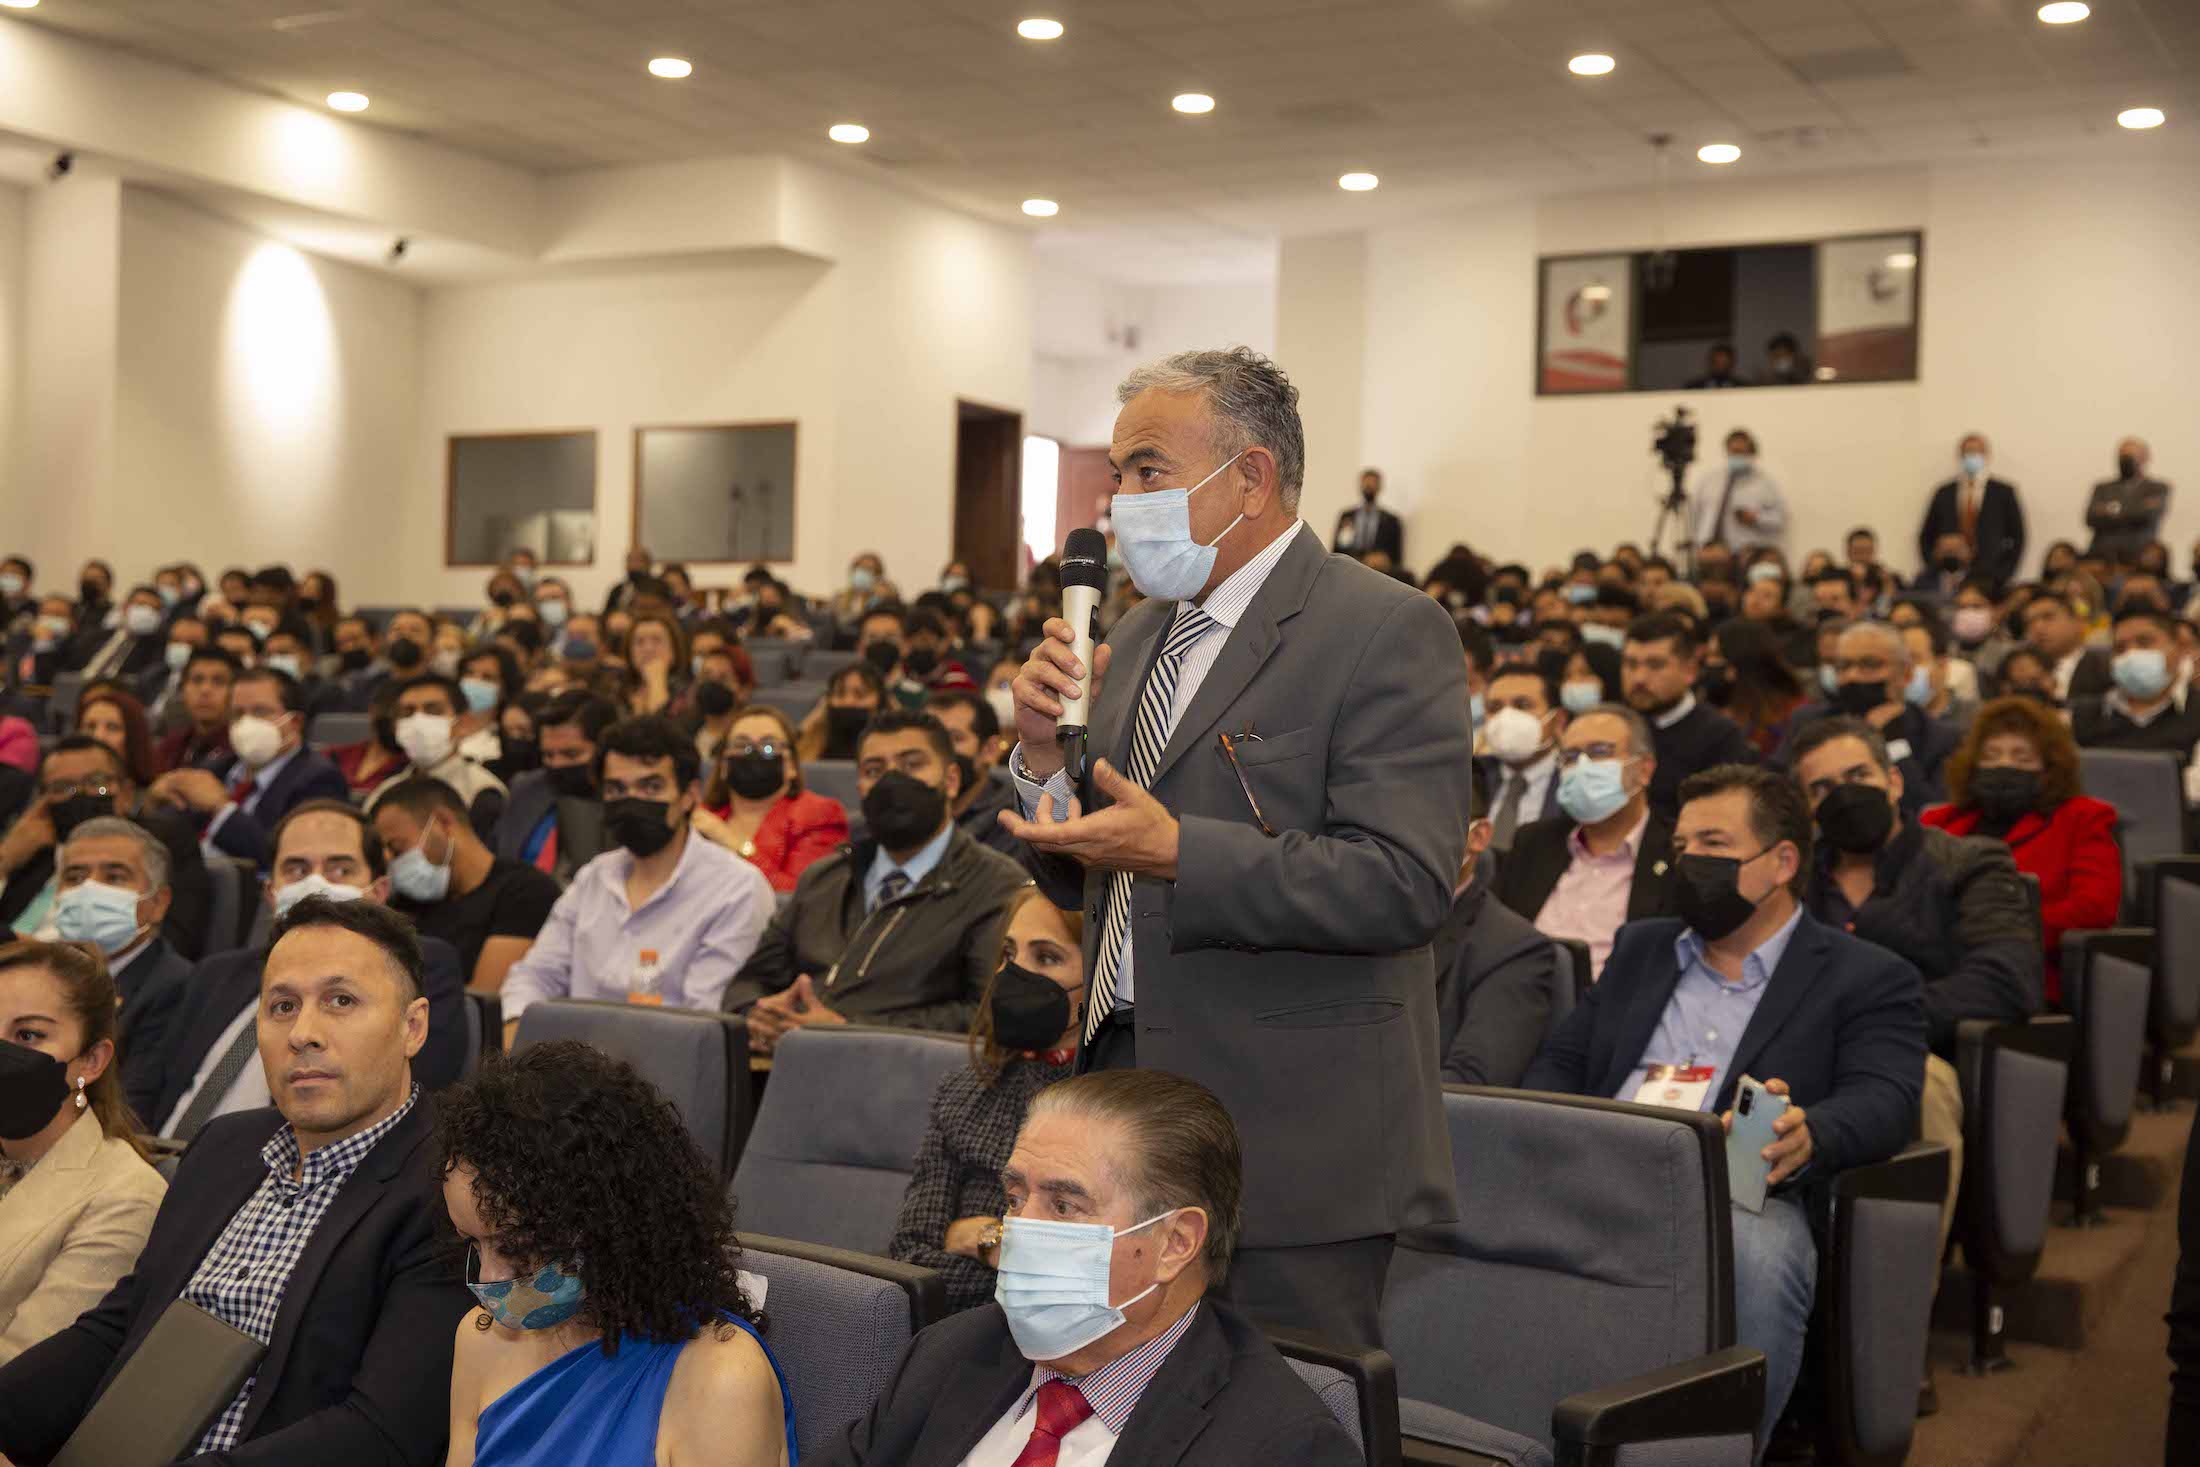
[1467,97]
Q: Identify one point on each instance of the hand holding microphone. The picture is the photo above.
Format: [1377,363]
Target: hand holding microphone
[1053,695]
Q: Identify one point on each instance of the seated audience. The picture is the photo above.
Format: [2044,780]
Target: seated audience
[2015,779]
[204,735]
[240,799]
[1744,981]
[2024,673]
[553,819]
[1024,1039]
[1517,778]
[346,1149]
[901,928]
[2145,709]
[692,904]
[852,697]
[76,1195]
[614,1328]
[656,648]
[1660,668]
[375,759]
[133,652]
[207,1065]
[1147,1365]
[117,719]
[1747,678]
[428,710]
[1875,681]
[757,808]
[715,699]
[1495,975]
[2053,629]
[111,892]
[1951,684]
[979,749]
[451,886]
[1607,858]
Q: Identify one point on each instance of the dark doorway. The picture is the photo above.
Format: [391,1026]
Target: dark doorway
[989,473]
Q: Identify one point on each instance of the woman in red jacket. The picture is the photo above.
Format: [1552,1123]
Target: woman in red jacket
[2016,779]
[756,806]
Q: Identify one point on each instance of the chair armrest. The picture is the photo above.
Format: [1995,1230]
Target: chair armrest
[1916,1173]
[2151,872]
[927,1291]
[2133,943]
[1712,1395]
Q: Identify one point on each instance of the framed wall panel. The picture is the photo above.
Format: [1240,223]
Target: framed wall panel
[509,491]
[715,492]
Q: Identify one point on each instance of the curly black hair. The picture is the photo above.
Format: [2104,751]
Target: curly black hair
[579,1162]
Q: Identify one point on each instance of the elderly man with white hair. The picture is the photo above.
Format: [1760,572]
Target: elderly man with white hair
[1877,680]
[111,885]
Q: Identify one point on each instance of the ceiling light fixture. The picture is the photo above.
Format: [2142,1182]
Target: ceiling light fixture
[671,68]
[348,101]
[1193,104]
[1902,261]
[2139,117]
[1041,208]
[1357,183]
[1038,28]
[20,4]
[2065,12]
[1718,153]
[1594,63]
[848,132]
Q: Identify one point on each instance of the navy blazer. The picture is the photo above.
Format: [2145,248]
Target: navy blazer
[1842,1021]
[251,837]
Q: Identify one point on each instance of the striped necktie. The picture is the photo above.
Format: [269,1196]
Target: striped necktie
[1149,737]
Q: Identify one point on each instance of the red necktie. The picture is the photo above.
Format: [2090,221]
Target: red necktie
[1062,1407]
[242,790]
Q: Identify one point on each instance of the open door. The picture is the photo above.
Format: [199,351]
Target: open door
[989,493]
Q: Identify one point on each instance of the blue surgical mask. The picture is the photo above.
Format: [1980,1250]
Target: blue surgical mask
[481,694]
[416,878]
[1474,710]
[862,578]
[1580,697]
[1053,1278]
[97,913]
[545,1301]
[11,584]
[580,649]
[553,612]
[178,655]
[2141,672]
[141,620]
[952,584]
[1828,678]
[1738,463]
[1763,570]
[1154,531]
[1581,595]
[169,595]
[1918,691]
[1593,789]
[1974,464]
[316,884]
[1612,637]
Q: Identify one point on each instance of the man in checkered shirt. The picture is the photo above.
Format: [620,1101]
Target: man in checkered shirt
[311,1227]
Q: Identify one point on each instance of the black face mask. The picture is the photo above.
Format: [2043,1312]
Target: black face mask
[2005,796]
[755,775]
[1710,896]
[355,660]
[2127,467]
[522,755]
[405,654]
[33,1086]
[714,699]
[636,577]
[970,775]
[920,661]
[1856,818]
[90,591]
[501,598]
[884,656]
[68,814]
[642,826]
[1717,686]
[903,811]
[1949,564]
[572,781]
[385,733]
[1030,1012]
[843,729]
[1858,699]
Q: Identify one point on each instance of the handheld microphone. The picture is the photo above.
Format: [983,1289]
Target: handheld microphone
[1084,582]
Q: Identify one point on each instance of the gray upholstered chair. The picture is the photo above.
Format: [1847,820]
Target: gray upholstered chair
[333,730]
[2015,1079]
[836,780]
[2147,787]
[838,1130]
[698,1061]
[1584,1299]
[234,887]
[2170,893]
[838,1322]
[2108,975]
[1360,1388]
[1573,980]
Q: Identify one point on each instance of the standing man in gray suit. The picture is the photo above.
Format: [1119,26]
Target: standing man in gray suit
[1268,836]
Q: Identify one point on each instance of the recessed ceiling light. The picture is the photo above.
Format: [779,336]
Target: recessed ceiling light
[20,4]
[341,101]
[1038,28]
[848,132]
[1193,103]
[1357,183]
[2065,12]
[1902,261]
[1041,208]
[2140,117]
[1595,63]
[1718,153]
[671,68]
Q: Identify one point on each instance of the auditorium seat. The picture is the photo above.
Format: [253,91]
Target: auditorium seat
[334,730]
[2107,977]
[484,1031]
[838,1131]
[698,1061]
[1360,1388]
[61,702]
[839,1324]
[1584,1298]
[836,780]
[1574,968]
[2015,1080]
[793,699]
[2170,891]
[2147,788]
[234,887]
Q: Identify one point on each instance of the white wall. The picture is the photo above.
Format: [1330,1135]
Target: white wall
[14,239]
[1078,340]
[64,443]
[2056,315]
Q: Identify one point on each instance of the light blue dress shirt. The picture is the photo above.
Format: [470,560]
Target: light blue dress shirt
[916,868]
[1704,1020]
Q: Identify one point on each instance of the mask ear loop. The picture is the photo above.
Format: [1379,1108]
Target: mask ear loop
[1233,458]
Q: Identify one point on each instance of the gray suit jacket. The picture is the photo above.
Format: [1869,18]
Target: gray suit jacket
[1292,976]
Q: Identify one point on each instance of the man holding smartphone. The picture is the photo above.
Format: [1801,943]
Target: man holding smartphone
[1747,982]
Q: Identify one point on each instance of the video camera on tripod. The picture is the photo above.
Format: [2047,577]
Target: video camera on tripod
[1675,446]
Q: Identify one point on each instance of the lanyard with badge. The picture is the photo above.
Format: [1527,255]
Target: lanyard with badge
[1682,1087]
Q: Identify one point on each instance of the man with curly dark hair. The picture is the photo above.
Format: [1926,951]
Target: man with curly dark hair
[591,1218]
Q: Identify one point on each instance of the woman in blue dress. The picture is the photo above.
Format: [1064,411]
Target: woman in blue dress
[614,1329]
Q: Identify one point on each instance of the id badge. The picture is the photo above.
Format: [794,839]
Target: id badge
[1681,1087]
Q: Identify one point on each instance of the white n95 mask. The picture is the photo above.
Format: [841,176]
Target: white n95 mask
[1053,1283]
[1154,532]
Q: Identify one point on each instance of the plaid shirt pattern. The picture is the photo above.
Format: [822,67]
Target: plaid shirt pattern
[1114,1390]
[243,1277]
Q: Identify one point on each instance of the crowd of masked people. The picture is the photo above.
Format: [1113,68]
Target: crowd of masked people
[1810,790]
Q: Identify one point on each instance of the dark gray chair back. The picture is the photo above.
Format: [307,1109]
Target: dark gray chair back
[698,1061]
[793,699]
[234,886]
[61,703]
[2147,788]
[1360,1388]
[2177,929]
[835,779]
[838,1130]
[775,659]
[1875,1297]
[1573,980]
[332,730]
[2113,1035]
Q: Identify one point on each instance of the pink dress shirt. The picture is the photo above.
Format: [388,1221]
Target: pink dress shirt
[1590,900]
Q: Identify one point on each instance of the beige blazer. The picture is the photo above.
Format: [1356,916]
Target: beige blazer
[72,1227]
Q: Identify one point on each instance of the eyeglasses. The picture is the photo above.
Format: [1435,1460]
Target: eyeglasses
[65,789]
[1567,758]
[1230,742]
[743,744]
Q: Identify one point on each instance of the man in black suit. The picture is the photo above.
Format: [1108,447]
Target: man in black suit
[313,1227]
[112,891]
[1495,977]
[134,653]
[208,1066]
[1876,680]
[1659,666]
[553,819]
[1745,982]
[1369,528]
[2052,629]
[1148,1367]
[1981,512]
[245,795]
[1607,859]
[2125,513]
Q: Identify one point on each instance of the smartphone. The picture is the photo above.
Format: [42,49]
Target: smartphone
[1755,1109]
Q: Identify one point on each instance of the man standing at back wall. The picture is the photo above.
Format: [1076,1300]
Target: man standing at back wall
[1268,836]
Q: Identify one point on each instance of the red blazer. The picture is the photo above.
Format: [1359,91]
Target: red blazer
[800,829]
[2074,854]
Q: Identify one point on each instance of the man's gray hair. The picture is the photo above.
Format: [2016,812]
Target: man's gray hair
[1888,632]
[1253,402]
[108,827]
[1638,727]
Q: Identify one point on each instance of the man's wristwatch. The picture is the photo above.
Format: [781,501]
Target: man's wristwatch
[989,1238]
